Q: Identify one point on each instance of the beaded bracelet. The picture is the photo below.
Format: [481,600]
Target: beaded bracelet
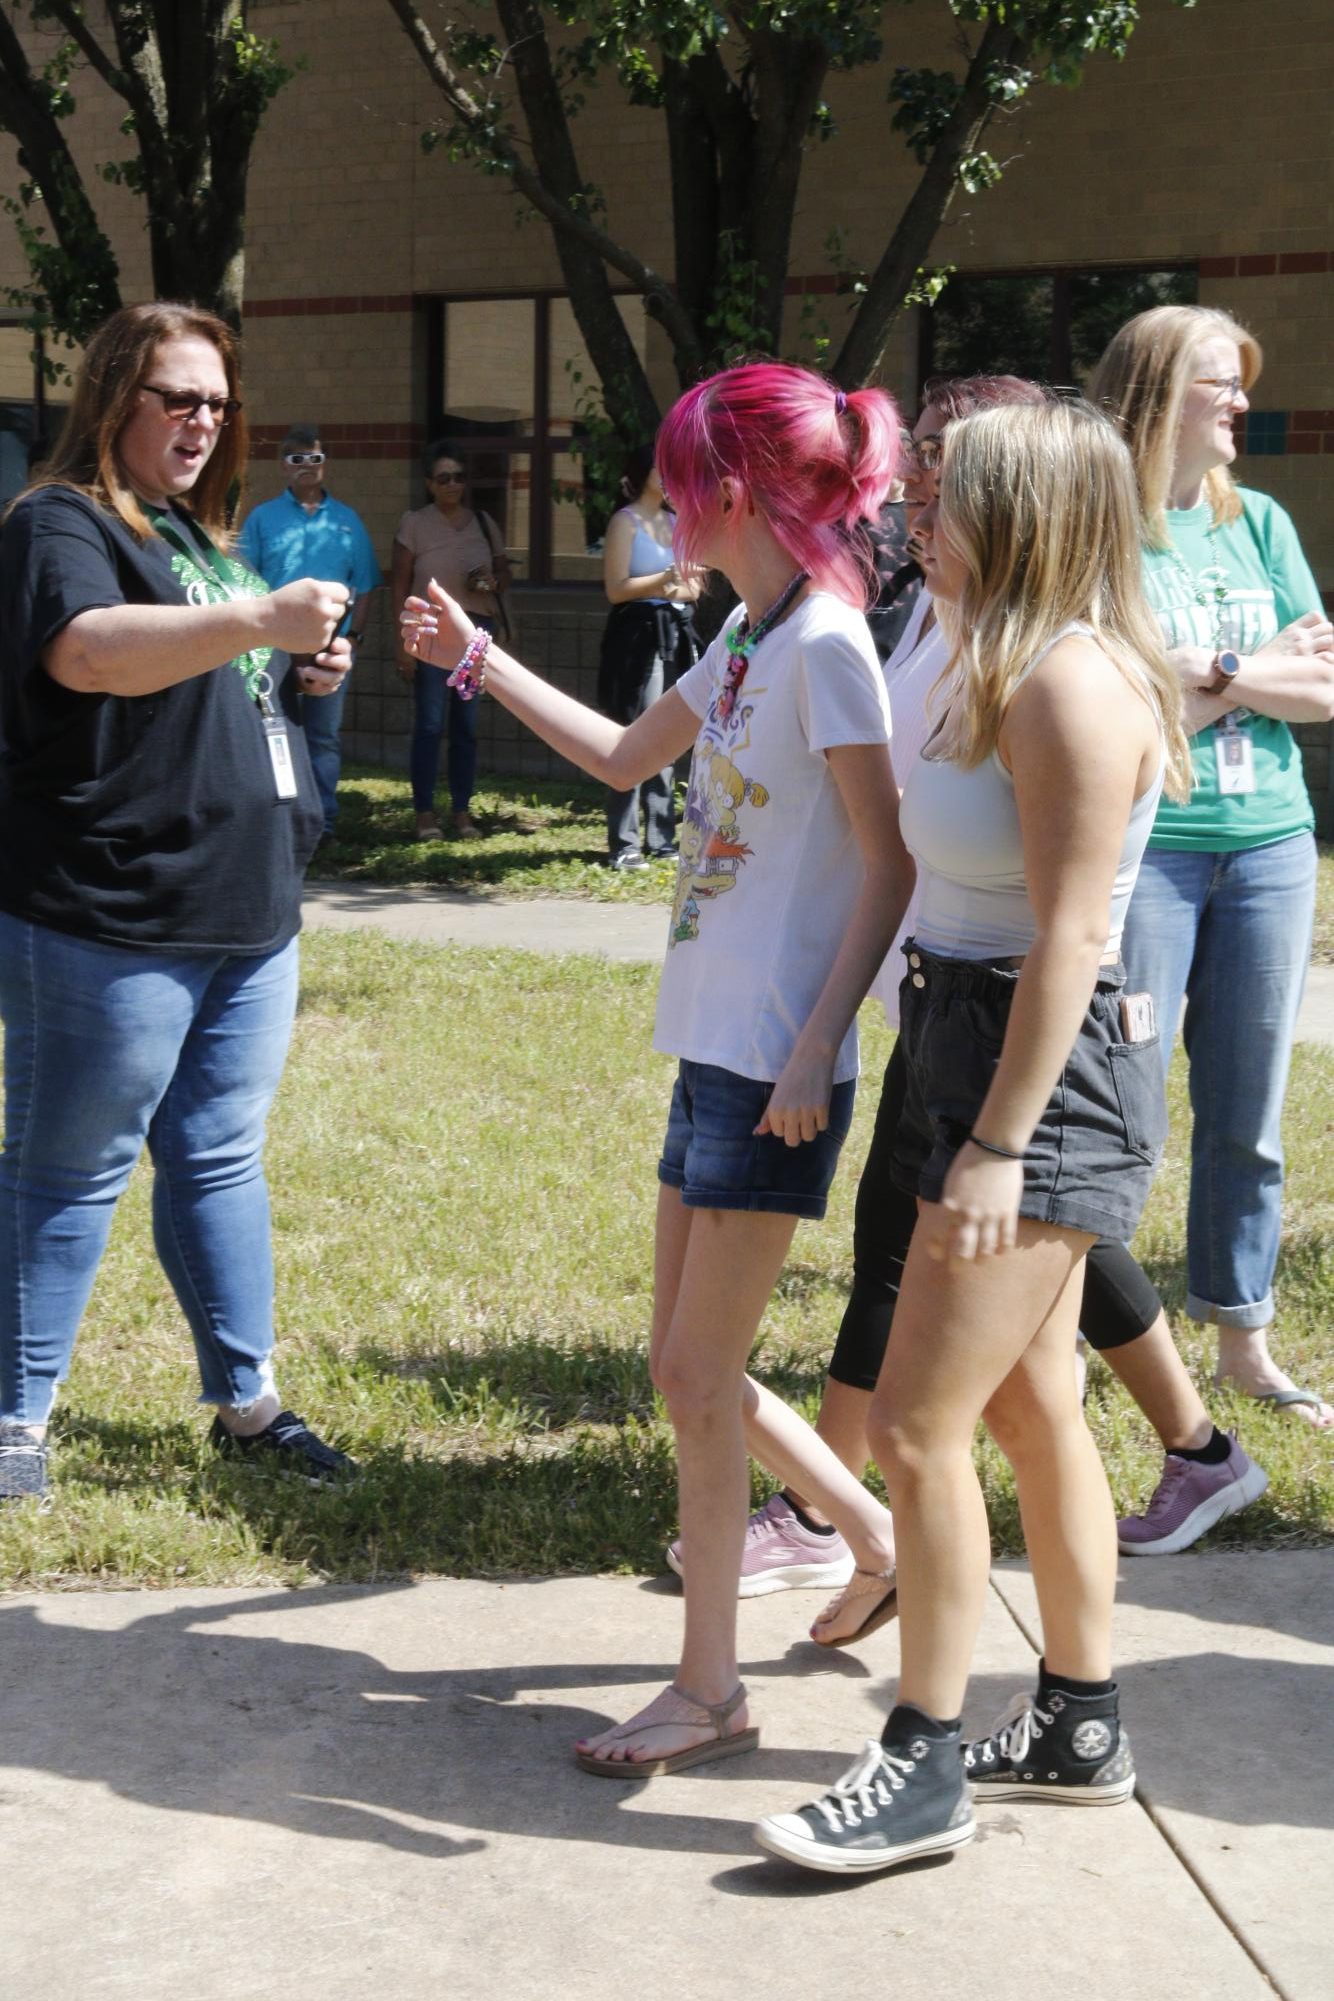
[469,677]
[1001,1152]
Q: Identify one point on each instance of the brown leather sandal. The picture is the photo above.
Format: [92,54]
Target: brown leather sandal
[724,1744]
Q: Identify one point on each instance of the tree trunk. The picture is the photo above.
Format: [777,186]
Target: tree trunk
[629,400]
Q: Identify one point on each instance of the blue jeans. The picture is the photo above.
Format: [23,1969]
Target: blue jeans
[321,719]
[1231,935]
[436,705]
[104,1049]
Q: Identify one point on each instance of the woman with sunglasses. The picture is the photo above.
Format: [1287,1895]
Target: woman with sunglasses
[1222,915]
[157,809]
[461,547]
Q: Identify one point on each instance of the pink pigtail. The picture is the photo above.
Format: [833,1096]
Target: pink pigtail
[811,459]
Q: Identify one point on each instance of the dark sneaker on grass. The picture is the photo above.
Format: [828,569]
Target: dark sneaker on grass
[23,1462]
[288,1445]
[1188,1500]
[1056,1747]
[903,1798]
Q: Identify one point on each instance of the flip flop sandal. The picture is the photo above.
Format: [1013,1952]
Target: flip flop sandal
[722,1745]
[876,1585]
[1284,1399]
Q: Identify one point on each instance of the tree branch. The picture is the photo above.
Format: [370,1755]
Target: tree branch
[567,223]
[910,244]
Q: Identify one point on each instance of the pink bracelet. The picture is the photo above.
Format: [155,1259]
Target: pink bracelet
[469,677]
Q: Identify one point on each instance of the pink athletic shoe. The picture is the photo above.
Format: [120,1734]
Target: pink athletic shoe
[1188,1500]
[781,1555]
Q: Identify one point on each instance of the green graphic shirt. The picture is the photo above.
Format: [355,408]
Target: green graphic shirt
[1264,583]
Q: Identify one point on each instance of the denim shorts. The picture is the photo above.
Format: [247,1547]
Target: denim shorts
[1091,1160]
[712,1155]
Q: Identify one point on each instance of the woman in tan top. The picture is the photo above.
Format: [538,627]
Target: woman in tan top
[462,549]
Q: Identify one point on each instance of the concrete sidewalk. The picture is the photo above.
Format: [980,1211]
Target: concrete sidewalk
[353,1793]
[627,931]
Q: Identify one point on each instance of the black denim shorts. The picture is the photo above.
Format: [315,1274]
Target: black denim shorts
[1092,1158]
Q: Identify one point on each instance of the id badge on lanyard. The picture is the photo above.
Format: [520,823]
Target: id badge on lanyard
[279,744]
[1234,755]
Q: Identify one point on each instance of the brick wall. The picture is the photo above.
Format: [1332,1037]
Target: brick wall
[1160,158]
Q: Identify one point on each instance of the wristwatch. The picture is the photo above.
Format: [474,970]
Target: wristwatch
[1227,666]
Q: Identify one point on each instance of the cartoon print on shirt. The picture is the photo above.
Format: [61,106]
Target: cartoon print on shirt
[712,849]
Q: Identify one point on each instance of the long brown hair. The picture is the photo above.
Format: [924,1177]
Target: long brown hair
[1141,383]
[115,363]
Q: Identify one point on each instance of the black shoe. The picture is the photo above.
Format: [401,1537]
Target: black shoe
[288,1445]
[901,1799]
[627,862]
[664,854]
[23,1461]
[1055,1747]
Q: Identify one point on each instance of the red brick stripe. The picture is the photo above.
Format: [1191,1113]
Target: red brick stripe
[1288,262]
[371,302]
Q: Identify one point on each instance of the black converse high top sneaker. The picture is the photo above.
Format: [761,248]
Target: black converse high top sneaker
[901,1798]
[1054,1746]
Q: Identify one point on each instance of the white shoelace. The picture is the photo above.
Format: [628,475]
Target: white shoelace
[1013,1731]
[865,1787]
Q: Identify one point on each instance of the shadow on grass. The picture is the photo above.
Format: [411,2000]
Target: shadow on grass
[543,1385]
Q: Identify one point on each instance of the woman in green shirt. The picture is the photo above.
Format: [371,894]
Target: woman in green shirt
[1222,913]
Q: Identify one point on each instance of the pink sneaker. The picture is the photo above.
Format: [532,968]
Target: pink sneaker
[781,1555]
[1188,1500]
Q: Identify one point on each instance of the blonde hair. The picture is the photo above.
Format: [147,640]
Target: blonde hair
[1141,383]
[1041,505]
[115,365]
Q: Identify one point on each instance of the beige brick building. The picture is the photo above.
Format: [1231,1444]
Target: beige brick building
[391,293]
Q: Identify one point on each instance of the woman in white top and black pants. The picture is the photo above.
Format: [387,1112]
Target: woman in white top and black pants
[648,643]
[1033,1117]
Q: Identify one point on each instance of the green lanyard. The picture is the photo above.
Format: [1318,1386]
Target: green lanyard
[200,552]
[192,547]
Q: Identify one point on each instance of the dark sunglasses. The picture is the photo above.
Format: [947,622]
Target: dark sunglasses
[182,404]
[447,478]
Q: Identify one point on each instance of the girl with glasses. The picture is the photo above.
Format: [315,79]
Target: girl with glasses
[1222,916]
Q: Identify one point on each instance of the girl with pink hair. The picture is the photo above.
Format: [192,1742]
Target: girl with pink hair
[791,883]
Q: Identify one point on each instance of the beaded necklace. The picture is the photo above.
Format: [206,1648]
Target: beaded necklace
[1209,586]
[745,637]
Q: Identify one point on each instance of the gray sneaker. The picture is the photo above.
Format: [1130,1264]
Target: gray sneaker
[1188,1500]
[901,1799]
[23,1461]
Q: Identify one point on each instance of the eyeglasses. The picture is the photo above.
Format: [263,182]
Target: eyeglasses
[182,404]
[1233,384]
[447,478]
[303,458]
[928,453]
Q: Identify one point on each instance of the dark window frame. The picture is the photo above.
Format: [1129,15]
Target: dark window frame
[1060,363]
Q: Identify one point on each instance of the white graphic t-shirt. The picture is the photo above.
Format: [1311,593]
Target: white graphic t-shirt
[769,870]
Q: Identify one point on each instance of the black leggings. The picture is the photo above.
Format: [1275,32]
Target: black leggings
[1119,1302]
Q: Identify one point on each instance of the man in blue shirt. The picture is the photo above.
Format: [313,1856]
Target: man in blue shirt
[305,532]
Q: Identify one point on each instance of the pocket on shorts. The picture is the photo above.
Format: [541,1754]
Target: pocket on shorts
[1137,1075]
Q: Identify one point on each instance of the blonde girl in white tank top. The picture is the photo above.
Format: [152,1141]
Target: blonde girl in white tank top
[1036,528]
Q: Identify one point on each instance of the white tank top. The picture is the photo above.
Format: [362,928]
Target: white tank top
[963,830]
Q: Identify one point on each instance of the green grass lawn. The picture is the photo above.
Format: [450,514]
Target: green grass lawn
[462,1161]
[542,838]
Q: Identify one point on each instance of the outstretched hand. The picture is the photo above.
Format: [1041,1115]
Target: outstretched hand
[435,628]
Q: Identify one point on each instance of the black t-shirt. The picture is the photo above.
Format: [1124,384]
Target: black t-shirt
[150,821]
